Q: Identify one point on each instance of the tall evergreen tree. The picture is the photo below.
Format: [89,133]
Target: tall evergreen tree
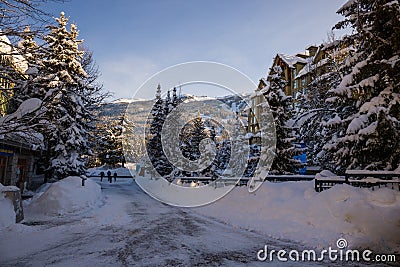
[154,147]
[132,144]
[281,108]
[61,77]
[110,150]
[191,136]
[368,97]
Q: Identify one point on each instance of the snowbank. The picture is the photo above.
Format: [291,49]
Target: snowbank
[7,213]
[66,196]
[293,210]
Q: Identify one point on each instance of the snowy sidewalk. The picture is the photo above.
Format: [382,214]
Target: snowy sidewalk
[131,229]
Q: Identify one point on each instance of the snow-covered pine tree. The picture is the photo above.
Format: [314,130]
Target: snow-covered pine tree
[14,63]
[222,158]
[132,144]
[368,97]
[168,106]
[24,88]
[175,99]
[61,76]
[20,21]
[110,151]
[154,148]
[281,107]
[191,136]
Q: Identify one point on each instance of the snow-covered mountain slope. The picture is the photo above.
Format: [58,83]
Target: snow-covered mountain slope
[141,107]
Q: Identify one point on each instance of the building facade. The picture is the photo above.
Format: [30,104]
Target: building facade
[322,60]
[296,71]
[290,65]
[19,163]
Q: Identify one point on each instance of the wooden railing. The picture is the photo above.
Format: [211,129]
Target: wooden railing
[245,180]
[361,178]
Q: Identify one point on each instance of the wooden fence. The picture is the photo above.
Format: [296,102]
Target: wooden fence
[361,178]
[245,180]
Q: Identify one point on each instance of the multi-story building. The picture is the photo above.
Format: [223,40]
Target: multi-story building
[291,65]
[255,111]
[322,60]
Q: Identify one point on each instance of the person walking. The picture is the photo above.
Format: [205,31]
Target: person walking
[101,176]
[115,176]
[109,176]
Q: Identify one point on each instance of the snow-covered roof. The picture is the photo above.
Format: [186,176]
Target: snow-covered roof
[31,141]
[306,69]
[310,66]
[291,60]
[264,81]
[6,47]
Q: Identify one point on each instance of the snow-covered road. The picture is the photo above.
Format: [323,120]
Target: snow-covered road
[132,229]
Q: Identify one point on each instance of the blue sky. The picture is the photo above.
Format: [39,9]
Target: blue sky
[133,40]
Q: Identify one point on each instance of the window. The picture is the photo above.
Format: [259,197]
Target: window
[3,166]
[303,82]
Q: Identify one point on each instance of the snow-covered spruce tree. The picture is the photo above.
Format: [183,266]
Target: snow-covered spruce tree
[61,76]
[190,138]
[132,144]
[110,149]
[16,17]
[20,21]
[29,53]
[154,147]
[368,97]
[222,158]
[281,107]
[174,119]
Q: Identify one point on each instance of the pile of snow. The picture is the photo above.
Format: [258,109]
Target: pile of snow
[7,213]
[293,210]
[327,175]
[65,197]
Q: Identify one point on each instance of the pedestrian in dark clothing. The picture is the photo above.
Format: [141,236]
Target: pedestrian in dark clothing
[109,176]
[115,176]
[101,176]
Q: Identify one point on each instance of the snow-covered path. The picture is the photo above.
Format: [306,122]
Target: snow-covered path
[132,229]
